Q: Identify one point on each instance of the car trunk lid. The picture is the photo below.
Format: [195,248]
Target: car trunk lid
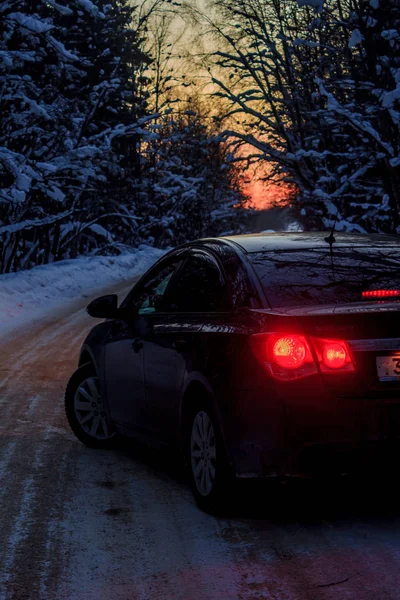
[372,331]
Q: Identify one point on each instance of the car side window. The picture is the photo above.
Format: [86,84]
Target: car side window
[150,300]
[200,287]
[149,297]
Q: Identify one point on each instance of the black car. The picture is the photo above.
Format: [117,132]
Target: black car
[258,355]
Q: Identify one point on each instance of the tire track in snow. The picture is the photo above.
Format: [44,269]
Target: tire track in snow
[35,448]
[29,435]
[19,531]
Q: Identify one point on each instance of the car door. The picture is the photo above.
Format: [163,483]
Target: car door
[197,289]
[124,349]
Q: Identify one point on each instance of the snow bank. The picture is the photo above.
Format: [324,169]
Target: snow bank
[28,296]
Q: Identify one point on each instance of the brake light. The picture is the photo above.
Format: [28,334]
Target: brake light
[285,356]
[333,355]
[381,294]
[289,351]
[291,356]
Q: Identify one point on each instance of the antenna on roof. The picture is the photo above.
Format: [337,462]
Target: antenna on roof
[331,238]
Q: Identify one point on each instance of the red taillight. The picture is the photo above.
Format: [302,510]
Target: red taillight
[285,356]
[333,355]
[289,351]
[381,294]
[288,356]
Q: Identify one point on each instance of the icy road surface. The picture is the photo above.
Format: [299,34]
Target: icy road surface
[80,524]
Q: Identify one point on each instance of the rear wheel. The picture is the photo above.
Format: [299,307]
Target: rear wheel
[209,470]
[85,410]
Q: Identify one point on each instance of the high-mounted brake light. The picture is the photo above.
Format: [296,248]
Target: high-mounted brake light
[381,294]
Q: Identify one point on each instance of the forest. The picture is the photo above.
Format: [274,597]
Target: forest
[113,135]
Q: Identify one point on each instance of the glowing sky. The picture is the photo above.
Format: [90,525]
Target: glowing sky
[262,194]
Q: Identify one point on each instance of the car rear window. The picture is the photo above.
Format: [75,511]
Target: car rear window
[324,276]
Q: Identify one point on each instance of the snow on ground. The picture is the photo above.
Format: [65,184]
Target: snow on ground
[28,296]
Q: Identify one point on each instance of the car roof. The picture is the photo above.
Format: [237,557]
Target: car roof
[269,242]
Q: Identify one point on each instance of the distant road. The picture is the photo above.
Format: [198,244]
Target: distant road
[277,219]
[80,524]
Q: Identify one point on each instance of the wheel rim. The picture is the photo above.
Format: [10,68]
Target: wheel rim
[203,453]
[89,410]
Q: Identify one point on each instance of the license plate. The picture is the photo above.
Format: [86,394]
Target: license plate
[388,367]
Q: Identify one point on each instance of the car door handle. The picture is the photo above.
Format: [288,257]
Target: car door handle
[137,345]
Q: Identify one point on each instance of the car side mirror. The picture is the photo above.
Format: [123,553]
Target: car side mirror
[105,307]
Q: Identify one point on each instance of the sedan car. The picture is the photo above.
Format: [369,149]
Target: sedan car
[255,356]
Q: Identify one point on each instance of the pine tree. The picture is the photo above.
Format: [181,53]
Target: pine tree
[192,188]
[84,164]
[72,100]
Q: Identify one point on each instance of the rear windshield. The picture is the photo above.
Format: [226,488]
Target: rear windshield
[320,276]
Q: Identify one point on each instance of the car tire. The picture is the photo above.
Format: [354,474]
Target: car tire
[209,470]
[86,414]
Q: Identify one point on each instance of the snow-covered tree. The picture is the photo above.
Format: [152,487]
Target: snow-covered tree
[313,90]
[73,104]
[85,165]
[192,188]
[364,107]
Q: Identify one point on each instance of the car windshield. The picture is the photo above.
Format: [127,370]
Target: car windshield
[324,275]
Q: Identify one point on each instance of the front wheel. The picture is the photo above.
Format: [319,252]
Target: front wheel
[85,410]
[208,466]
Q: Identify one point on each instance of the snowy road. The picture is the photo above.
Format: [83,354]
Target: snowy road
[80,524]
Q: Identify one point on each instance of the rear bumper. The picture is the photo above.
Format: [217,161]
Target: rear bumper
[318,459]
[344,457]
[312,433]
[330,460]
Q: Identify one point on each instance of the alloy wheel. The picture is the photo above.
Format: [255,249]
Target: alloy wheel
[89,410]
[203,453]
